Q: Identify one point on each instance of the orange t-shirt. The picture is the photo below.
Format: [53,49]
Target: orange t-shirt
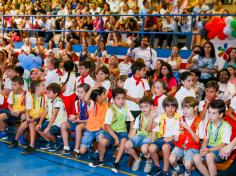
[96,116]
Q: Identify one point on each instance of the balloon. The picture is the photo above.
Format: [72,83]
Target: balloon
[30,61]
[208,26]
[227,30]
[228,19]
[222,36]
[216,20]
[234,33]
[211,35]
[233,23]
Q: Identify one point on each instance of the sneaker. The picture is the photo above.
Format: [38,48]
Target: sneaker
[54,147]
[155,171]
[75,154]
[187,174]
[148,166]
[64,152]
[29,150]
[174,173]
[96,163]
[13,144]
[165,174]
[115,167]
[3,135]
[45,147]
[22,140]
[136,164]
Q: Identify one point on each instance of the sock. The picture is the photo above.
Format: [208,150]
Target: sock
[187,173]
[177,168]
[75,150]
[66,148]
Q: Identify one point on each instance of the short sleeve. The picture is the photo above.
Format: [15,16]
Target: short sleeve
[136,123]
[227,134]
[58,104]
[1,99]
[10,98]
[28,101]
[157,121]
[146,85]
[109,116]
[233,103]
[126,84]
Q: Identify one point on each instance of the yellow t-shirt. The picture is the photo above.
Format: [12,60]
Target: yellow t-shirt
[17,101]
[35,105]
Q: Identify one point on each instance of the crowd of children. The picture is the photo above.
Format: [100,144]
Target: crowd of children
[136,114]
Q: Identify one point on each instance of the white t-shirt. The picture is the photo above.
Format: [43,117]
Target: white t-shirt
[52,77]
[124,68]
[233,104]
[226,91]
[26,49]
[88,80]
[106,84]
[70,85]
[135,91]
[1,99]
[203,123]
[172,127]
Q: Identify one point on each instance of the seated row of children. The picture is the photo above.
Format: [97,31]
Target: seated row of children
[158,123]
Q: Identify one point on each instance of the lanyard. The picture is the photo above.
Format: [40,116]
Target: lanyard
[217,131]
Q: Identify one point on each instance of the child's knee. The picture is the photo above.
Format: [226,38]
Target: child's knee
[128,145]
[166,148]
[172,159]
[188,165]
[196,158]
[64,126]
[83,150]
[153,148]
[210,157]
[144,149]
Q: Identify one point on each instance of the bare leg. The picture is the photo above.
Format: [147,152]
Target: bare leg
[32,133]
[199,165]
[154,154]
[3,117]
[121,150]
[24,125]
[166,155]
[130,150]
[103,143]
[78,135]
[64,133]
[210,159]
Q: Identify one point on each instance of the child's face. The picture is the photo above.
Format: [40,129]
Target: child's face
[188,111]
[158,89]
[145,108]
[188,83]
[210,93]
[164,70]
[81,93]
[142,72]
[12,73]
[101,76]
[82,70]
[34,76]
[233,54]
[213,114]
[223,77]
[120,83]
[195,78]
[231,71]
[170,110]
[51,94]
[42,88]
[49,65]
[16,86]
[119,100]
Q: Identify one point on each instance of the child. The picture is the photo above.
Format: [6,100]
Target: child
[68,81]
[121,81]
[26,48]
[139,136]
[84,71]
[115,128]
[211,89]
[218,133]
[52,75]
[188,143]
[125,66]
[16,105]
[55,110]
[97,111]
[76,122]
[159,89]
[136,87]
[186,89]
[102,77]
[35,102]
[197,86]
[3,113]
[167,126]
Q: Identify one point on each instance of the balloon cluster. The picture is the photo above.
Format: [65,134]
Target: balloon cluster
[30,61]
[223,28]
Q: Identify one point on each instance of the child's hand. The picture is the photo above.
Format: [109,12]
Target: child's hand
[97,85]
[184,124]
[154,112]
[137,100]
[38,126]
[204,151]
[46,131]
[226,151]
[71,117]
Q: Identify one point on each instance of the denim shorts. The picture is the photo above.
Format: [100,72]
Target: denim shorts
[88,137]
[186,154]
[139,140]
[72,126]
[111,140]
[53,129]
[5,111]
[216,153]
[160,142]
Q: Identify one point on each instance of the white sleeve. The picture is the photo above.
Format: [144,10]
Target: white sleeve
[157,121]
[200,106]
[106,84]
[130,117]
[58,104]
[176,129]
[28,101]
[146,85]
[7,84]
[136,123]
[109,116]
[227,134]
[233,103]
[63,78]
[10,98]
[1,99]
[126,84]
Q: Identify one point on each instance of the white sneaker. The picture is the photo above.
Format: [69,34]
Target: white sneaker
[187,174]
[136,164]
[148,166]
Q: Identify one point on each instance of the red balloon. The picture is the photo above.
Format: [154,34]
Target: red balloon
[222,36]
[216,20]
[209,25]
[211,35]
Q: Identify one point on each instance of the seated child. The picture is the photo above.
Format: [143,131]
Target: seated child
[115,128]
[188,143]
[218,133]
[16,105]
[139,136]
[76,122]
[35,102]
[56,115]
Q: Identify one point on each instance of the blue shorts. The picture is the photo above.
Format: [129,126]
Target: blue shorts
[186,154]
[54,130]
[160,142]
[216,153]
[139,140]
[12,119]
[5,111]
[72,126]
[88,137]
[111,140]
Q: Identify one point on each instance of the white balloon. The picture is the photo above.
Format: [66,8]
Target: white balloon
[228,19]
[227,30]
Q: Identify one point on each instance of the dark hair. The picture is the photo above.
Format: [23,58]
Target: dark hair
[223,70]
[185,75]
[212,84]
[85,87]
[86,64]
[229,55]
[170,74]
[137,66]
[68,66]
[196,72]
[146,99]
[189,102]
[117,91]
[170,101]
[19,70]
[123,78]
[53,43]
[18,79]
[34,85]
[55,62]
[212,54]
[55,88]
[218,104]
[163,83]
[103,69]
[95,93]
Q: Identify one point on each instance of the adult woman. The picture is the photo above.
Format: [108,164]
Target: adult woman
[69,50]
[84,54]
[232,72]
[61,46]
[39,49]
[191,62]
[101,52]
[231,59]
[156,72]
[206,62]
[167,76]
